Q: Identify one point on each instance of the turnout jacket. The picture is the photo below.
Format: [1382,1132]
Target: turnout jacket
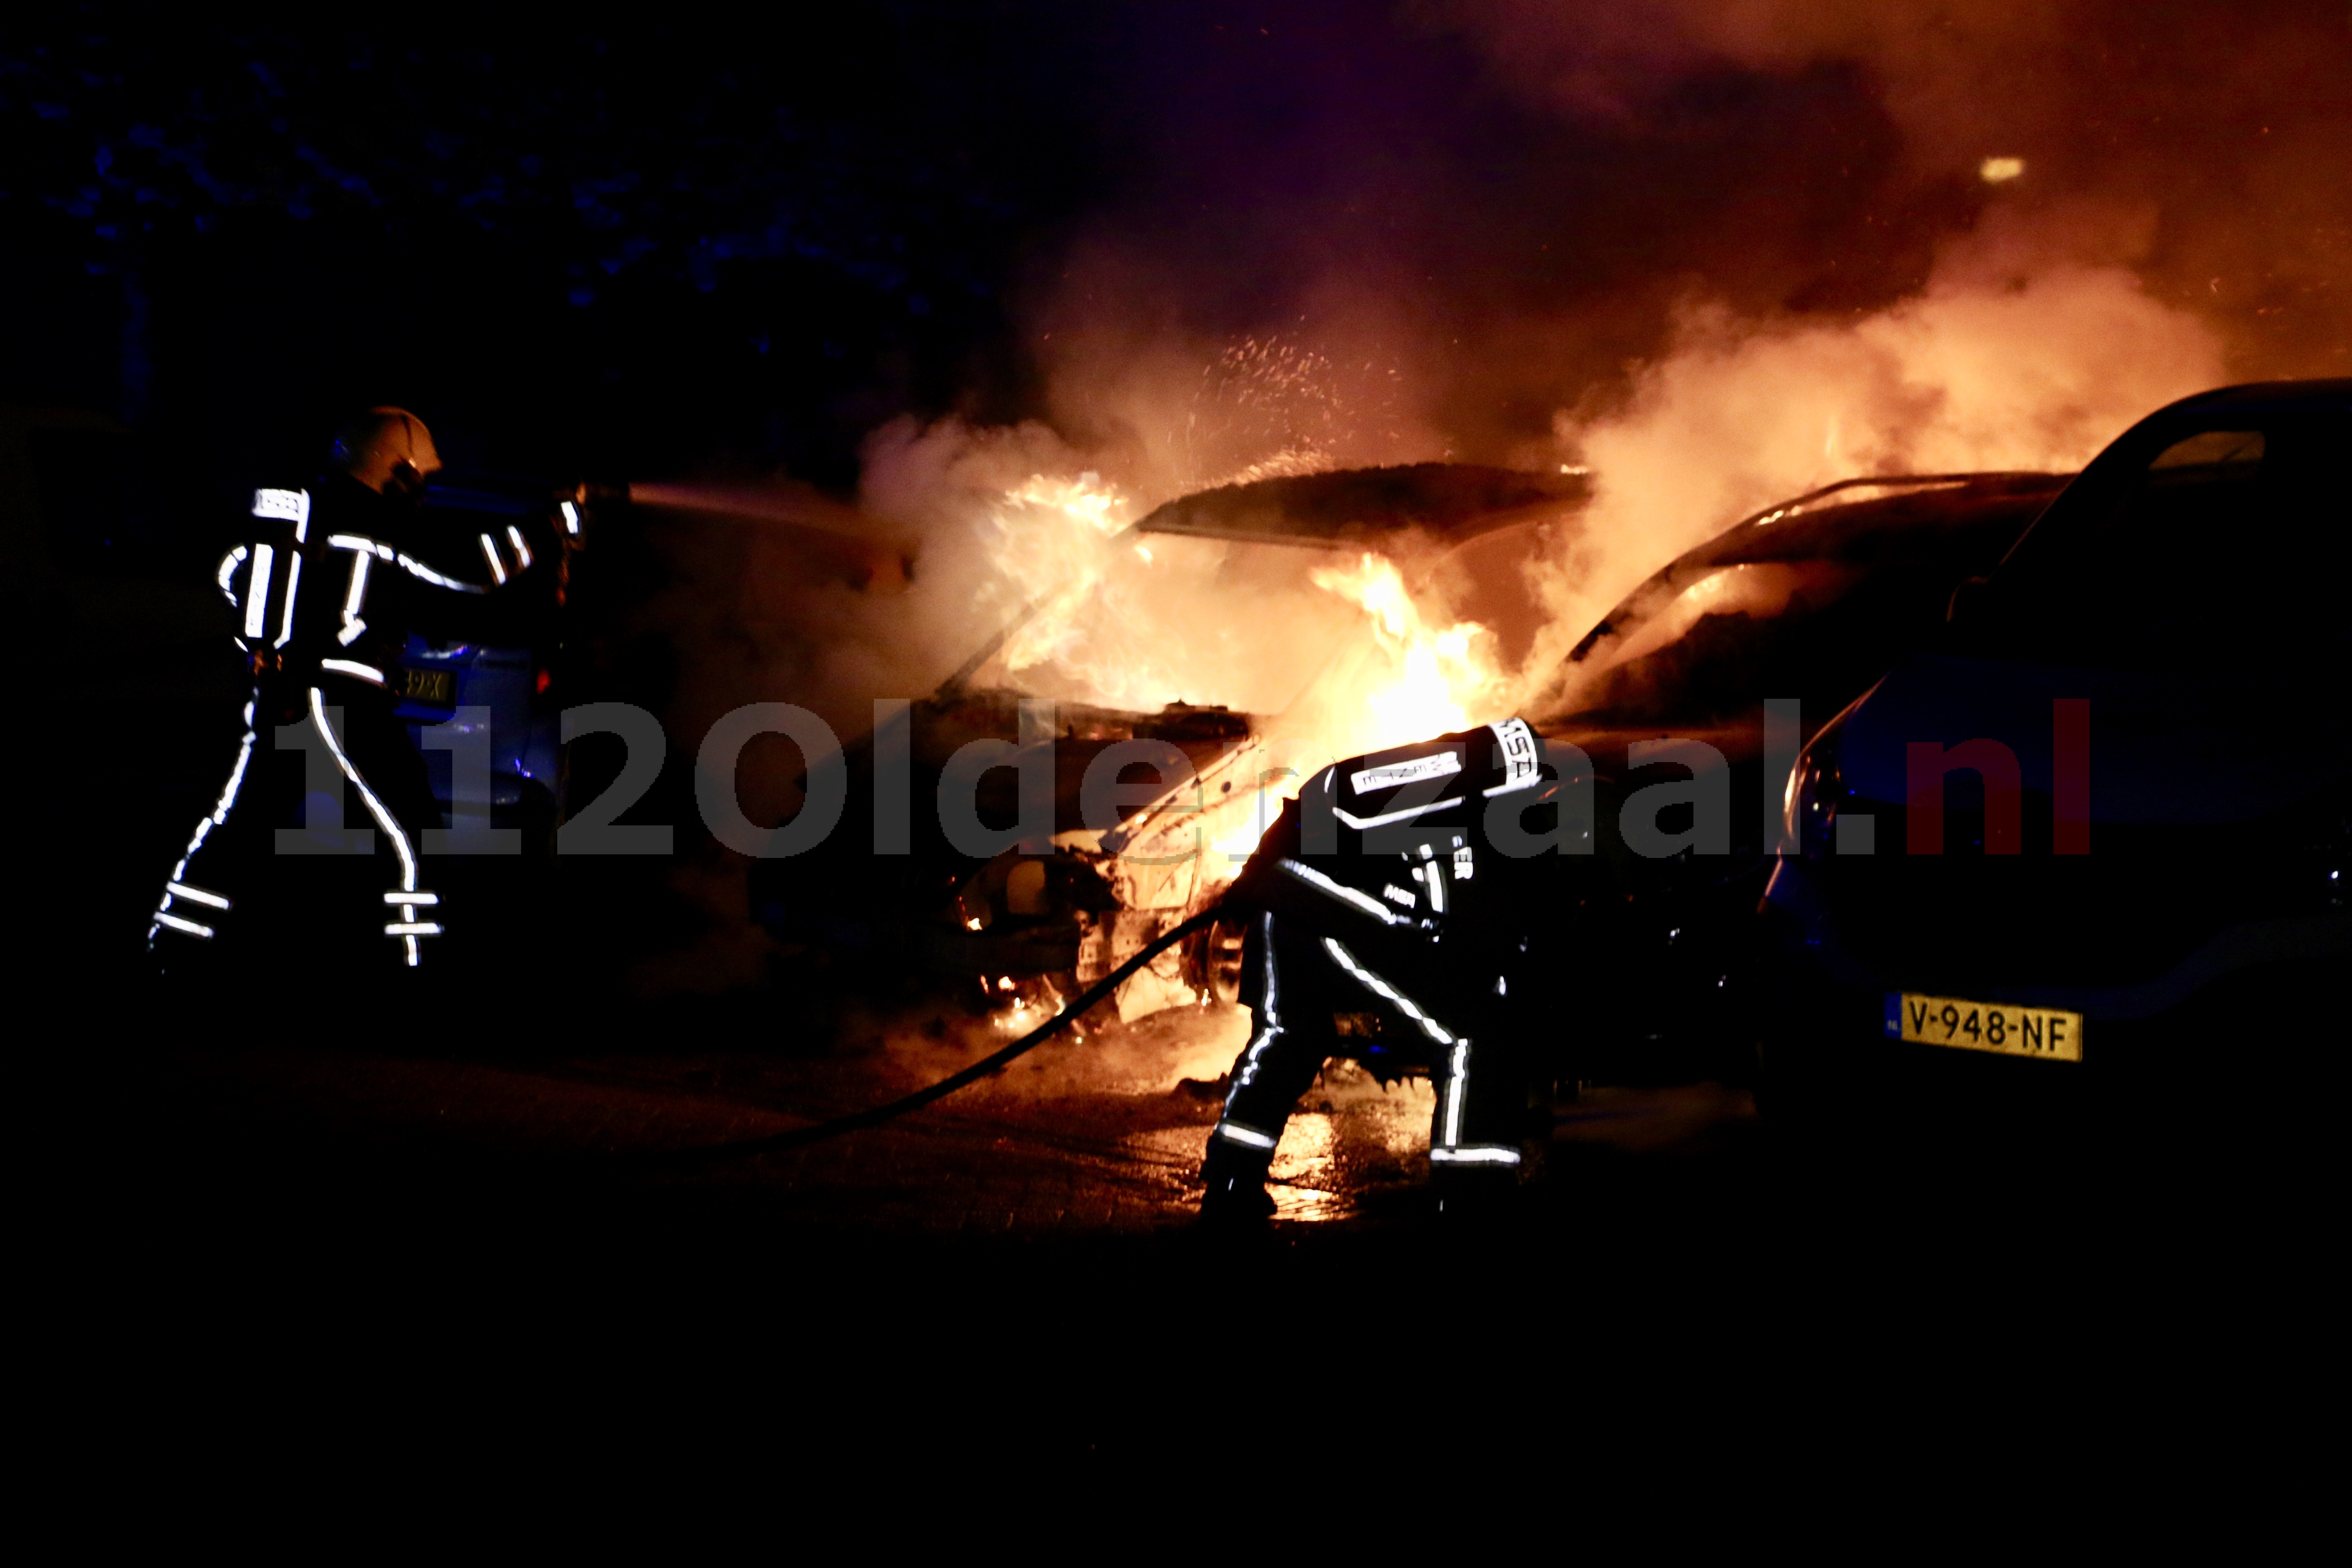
[1445,844]
[336,577]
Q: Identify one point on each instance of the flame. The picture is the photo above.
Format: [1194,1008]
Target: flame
[1239,844]
[1420,680]
[1139,624]
[1120,622]
[1111,618]
[1053,536]
[1085,499]
[1426,680]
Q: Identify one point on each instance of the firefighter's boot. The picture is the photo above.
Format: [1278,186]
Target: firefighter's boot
[1234,1177]
[1475,1198]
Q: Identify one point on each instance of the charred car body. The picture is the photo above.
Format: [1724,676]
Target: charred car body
[2112,806]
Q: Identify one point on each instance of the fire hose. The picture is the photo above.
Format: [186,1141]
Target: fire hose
[874,1116]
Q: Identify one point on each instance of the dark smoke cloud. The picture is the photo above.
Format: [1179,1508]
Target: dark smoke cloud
[2208,145]
[1506,200]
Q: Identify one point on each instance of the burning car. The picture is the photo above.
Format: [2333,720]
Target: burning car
[1273,606]
[2091,847]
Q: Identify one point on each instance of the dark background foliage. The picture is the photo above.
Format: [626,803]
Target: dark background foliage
[578,248]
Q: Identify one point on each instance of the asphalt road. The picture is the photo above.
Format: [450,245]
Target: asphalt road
[1098,1136]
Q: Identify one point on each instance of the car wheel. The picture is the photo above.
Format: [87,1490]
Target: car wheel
[1218,962]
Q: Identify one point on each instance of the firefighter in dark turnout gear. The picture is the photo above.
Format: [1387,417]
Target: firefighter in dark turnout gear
[1395,918]
[327,590]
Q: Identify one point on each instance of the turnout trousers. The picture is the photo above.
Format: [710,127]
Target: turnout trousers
[1315,999]
[271,868]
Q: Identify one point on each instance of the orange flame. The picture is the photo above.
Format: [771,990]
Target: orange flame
[1426,680]
[1053,537]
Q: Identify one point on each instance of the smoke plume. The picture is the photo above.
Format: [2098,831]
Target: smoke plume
[1976,374]
[1716,251]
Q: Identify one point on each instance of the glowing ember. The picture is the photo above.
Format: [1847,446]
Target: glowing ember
[2000,170]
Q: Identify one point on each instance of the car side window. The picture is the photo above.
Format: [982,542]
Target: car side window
[2210,456]
[2226,545]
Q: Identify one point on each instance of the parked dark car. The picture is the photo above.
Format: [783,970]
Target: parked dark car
[2085,855]
[1806,603]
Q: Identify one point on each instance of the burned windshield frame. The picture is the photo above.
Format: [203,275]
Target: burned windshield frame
[1839,542]
[1706,670]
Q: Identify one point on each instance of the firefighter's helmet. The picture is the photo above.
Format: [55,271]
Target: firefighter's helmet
[386,449]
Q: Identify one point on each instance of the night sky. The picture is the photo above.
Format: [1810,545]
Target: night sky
[683,242]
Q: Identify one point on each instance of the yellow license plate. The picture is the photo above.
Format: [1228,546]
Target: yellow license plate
[435,686]
[1994,1026]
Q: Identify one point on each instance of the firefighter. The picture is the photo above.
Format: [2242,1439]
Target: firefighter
[327,589]
[1385,928]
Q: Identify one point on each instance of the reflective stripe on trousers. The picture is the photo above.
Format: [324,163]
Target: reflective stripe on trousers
[196,912]
[1301,979]
[176,891]
[407,929]
[1253,1055]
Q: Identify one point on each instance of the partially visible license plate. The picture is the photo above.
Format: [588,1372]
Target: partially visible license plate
[434,686]
[1992,1027]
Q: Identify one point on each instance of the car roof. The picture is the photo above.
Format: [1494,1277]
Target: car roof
[2330,395]
[1815,526]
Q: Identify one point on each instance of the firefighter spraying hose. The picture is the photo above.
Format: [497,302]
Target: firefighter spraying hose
[332,582]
